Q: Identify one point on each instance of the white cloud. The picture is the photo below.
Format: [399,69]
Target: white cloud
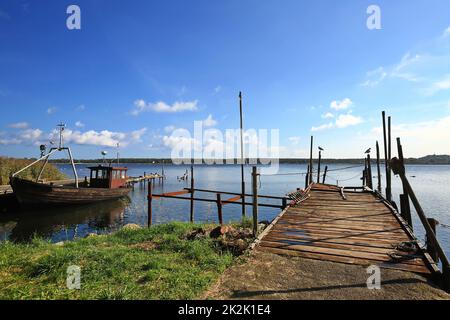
[440,85]
[142,106]
[170,128]
[374,77]
[79,124]
[446,33]
[81,107]
[136,136]
[347,120]
[104,138]
[209,121]
[217,89]
[328,115]
[342,121]
[423,138]
[51,110]
[341,105]
[31,134]
[19,125]
[322,127]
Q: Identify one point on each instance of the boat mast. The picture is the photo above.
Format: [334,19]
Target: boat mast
[61,147]
[47,156]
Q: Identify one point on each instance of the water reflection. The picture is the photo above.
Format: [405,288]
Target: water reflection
[63,223]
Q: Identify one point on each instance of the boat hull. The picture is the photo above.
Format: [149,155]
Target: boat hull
[30,193]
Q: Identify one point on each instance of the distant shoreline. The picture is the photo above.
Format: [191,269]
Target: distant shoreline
[427,160]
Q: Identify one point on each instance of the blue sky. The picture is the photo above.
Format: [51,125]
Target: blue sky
[136,71]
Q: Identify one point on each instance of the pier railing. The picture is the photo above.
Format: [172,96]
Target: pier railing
[236,199]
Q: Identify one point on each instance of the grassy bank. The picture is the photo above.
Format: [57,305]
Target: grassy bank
[155,263]
[10,165]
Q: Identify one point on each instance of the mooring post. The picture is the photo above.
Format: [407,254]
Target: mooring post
[242,155]
[283,203]
[149,203]
[307,177]
[364,177]
[325,174]
[378,168]
[318,166]
[310,178]
[399,169]
[219,208]
[255,200]
[404,199]
[192,194]
[386,161]
[431,248]
[369,172]
[389,160]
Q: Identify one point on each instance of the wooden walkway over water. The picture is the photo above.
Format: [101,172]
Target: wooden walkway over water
[347,226]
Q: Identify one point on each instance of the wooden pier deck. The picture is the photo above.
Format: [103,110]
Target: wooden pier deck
[352,227]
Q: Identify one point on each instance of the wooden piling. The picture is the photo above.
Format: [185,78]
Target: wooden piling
[192,195]
[378,168]
[369,172]
[310,180]
[255,200]
[364,175]
[242,155]
[386,163]
[325,174]
[430,246]
[399,169]
[283,203]
[219,208]
[389,185]
[307,177]
[149,203]
[404,199]
[318,166]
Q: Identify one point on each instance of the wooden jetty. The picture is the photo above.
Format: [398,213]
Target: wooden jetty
[347,226]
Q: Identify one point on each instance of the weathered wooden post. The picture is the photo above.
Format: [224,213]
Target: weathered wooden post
[364,176]
[389,186]
[398,168]
[242,155]
[318,166]
[192,194]
[283,203]
[431,248]
[386,164]
[325,174]
[255,200]
[404,199]
[307,177]
[219,208]
[310,178]
[149,203]
[369,172]
[378,168]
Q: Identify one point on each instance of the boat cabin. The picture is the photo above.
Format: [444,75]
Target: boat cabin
[108,177]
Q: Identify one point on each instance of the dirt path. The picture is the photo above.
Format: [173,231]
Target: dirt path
[269,276]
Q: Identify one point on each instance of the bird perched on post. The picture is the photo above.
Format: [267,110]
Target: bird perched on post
[368,150]
[320,148]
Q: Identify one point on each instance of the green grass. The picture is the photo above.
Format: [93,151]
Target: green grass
[10,165]
[155,263]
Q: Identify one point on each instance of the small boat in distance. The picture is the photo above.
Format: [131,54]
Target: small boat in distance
[105,183]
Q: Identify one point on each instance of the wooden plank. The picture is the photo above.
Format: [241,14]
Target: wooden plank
[346,260]
[338,252]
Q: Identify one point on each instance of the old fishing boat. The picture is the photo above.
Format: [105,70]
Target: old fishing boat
[106,182]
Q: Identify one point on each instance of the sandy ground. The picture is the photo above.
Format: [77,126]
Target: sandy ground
[268,276]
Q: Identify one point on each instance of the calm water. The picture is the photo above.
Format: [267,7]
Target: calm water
[431,184]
